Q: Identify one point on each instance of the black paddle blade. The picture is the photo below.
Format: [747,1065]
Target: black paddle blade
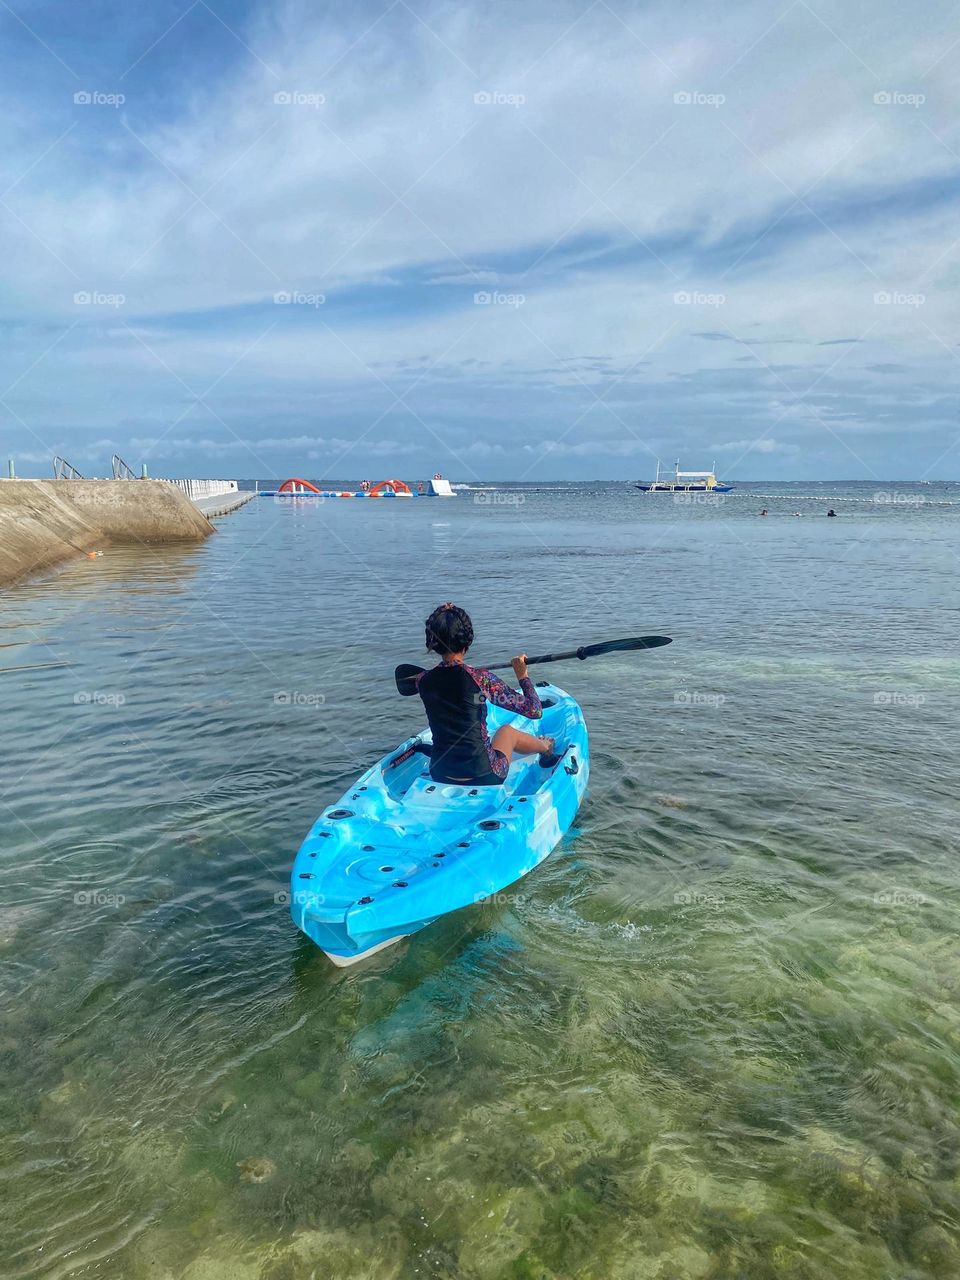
[615,646]
[406,678]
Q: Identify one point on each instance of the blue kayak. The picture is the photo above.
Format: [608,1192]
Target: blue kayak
[399,850]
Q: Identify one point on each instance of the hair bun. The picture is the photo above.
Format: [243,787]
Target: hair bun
[449,629]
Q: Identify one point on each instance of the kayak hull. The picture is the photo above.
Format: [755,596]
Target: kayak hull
[344,962]
[398,850]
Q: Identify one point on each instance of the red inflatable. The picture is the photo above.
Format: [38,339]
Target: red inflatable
[395,486]
[297,485]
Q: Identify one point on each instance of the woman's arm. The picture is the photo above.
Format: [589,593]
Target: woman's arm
[524,701]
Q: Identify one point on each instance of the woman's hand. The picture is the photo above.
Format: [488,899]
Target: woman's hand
[519,664]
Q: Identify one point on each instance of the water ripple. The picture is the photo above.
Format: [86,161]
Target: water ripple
[715,1032]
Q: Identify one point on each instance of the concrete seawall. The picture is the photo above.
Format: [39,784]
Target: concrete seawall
[45,521]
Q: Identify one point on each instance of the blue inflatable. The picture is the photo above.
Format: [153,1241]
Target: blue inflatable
[399,850]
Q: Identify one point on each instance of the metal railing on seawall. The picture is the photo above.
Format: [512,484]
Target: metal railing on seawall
[62,470]
[195,489]
[213,497]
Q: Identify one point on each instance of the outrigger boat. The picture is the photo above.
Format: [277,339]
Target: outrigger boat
[686,482]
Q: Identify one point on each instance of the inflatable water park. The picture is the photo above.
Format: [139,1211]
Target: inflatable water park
[295,487]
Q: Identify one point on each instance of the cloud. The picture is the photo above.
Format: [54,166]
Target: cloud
[586,188]
[762,445]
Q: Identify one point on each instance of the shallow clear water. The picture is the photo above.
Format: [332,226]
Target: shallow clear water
[716,1034]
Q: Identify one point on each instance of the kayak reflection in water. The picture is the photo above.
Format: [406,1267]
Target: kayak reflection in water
[455,696]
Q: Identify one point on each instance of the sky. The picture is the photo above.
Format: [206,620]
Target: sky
[496,240]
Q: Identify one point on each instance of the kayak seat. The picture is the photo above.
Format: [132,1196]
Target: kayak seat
[491,780]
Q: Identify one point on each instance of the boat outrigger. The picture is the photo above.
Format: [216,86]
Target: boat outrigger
[686,482]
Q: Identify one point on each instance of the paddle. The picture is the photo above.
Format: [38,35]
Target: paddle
[406,674]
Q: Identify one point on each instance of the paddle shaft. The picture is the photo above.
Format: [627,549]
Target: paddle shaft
[406,675]
[541,657]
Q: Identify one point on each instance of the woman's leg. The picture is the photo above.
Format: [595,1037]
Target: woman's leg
[510,741]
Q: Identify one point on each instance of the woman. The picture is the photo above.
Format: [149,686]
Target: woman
[455,697]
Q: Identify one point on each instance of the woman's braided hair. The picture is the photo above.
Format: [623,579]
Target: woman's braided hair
[449,630]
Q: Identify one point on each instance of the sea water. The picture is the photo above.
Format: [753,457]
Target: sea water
[715,1035]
